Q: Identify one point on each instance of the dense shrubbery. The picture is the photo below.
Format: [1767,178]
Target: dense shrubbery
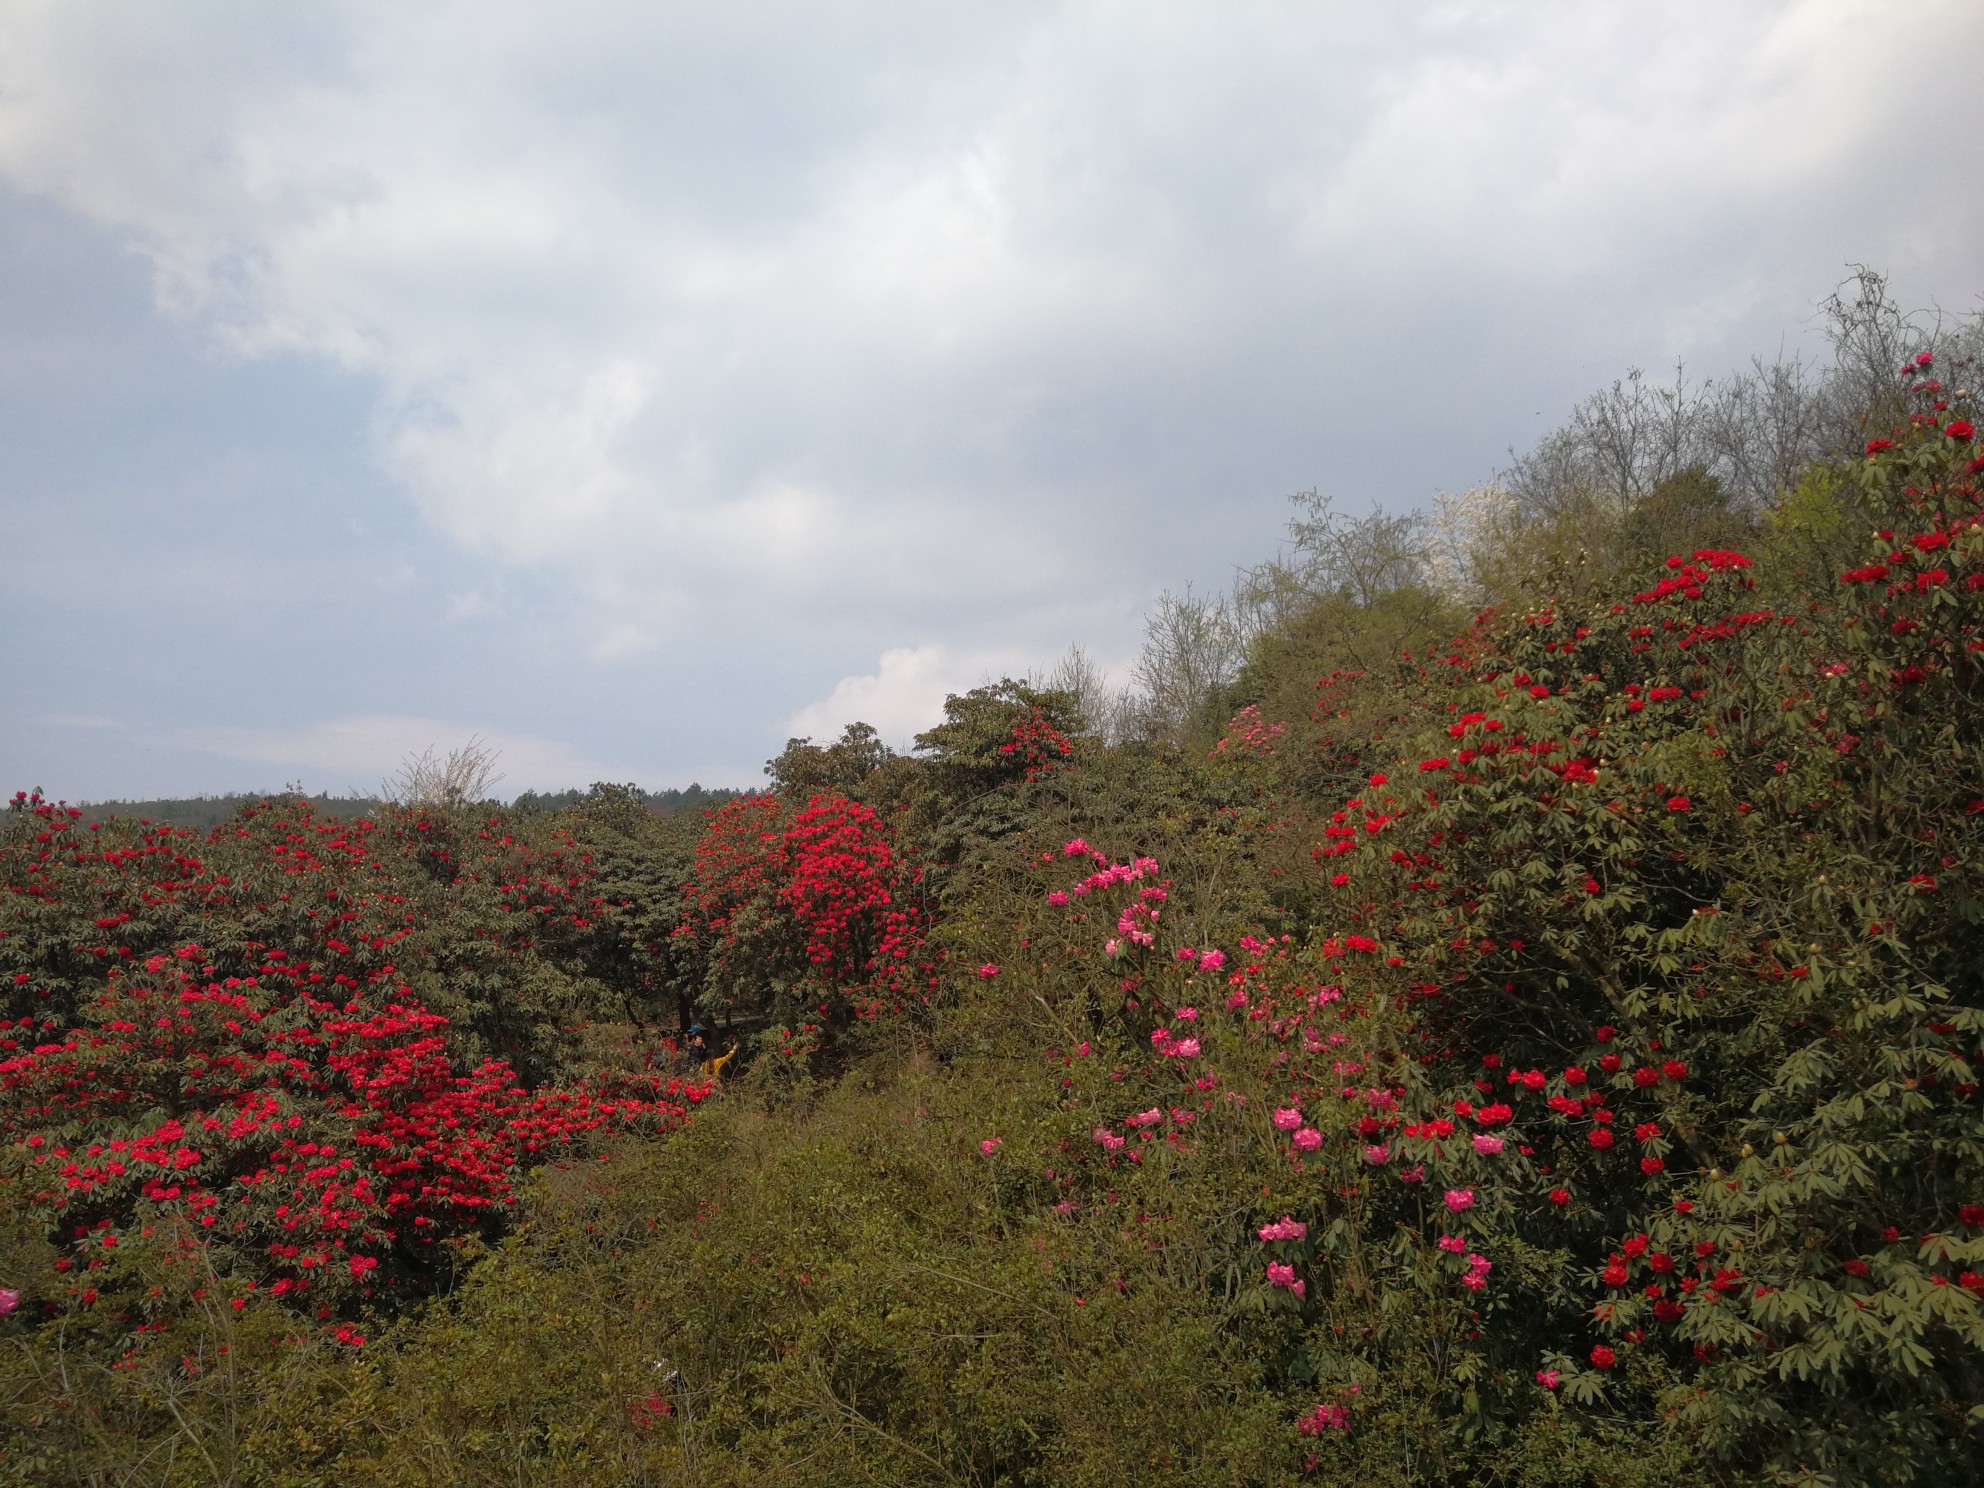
[1542,1051]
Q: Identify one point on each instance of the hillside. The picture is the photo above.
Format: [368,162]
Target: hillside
[1500,1005]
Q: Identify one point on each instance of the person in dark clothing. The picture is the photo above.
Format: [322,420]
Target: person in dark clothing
[695,1048]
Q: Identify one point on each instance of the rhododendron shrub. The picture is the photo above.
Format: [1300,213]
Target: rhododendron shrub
[1633,1045]
[808,912]
[210,1053]
[1683,893]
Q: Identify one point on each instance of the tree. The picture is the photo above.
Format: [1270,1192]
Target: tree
[464,777]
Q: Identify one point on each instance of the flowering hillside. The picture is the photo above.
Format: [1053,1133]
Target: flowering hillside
[1548,1055]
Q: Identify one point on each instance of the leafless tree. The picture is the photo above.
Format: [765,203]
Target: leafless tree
[462,777]
[1192,648]
[1751,431]
[1099,707]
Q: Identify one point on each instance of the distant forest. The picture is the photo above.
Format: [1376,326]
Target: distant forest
[212,811]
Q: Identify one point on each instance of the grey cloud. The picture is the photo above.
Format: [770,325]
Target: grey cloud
[740,348]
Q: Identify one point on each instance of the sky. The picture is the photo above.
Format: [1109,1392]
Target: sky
[637,385]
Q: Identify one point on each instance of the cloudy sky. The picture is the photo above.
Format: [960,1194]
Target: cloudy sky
[637,384]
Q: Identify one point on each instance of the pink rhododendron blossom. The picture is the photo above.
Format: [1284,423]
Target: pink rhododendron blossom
[1188,1014]
[990,1145]
[1287,1118]
[1144,1118]
[1453,1244]
[1414,1174]
[1324,1418]
[1075,848]
[1186,953]
[1487,1146]
[1478,1267]
[1235,1002]
[1378,1156]
[1111,947]
[1549,1378]
[988,971]
[9,1300]
[1283,1275]
[1460,1200]
[1059,898]
[1308,1139]
[1211,960]
[1185,1049]
[1284,1228]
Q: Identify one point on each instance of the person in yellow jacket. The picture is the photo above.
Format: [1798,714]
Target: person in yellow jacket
[713,1069]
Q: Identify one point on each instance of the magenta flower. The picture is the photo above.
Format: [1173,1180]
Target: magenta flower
[1414,1174]
[1453,1244]
[1487,1146]
[1188,1015]
[1324,1418]
[9,1300]
[1076,848]
[1478,1267]
[988,971]
[1378,1156]
[1059,898]
[1307,1140]
[1185,1049]
[1212,960]
[1549,1378]
[1460,1200]
[990,1145]
[1284,1228]
[1287,1118]
[1282,1275]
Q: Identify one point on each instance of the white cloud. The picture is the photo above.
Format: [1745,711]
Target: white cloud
[901,698]
[359,752]
[784,333]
